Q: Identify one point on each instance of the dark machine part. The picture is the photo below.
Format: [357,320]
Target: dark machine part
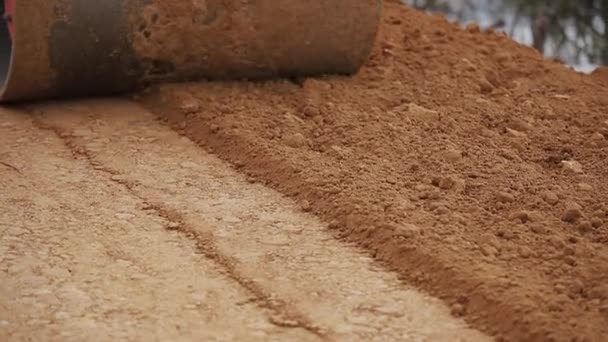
[66,48]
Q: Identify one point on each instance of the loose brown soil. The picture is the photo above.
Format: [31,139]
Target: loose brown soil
[461,159]
[113,227]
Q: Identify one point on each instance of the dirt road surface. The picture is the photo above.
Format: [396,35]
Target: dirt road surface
[464,161]
[455,189]
[115,227]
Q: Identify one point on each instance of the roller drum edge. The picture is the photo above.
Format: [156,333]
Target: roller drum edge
[70,48]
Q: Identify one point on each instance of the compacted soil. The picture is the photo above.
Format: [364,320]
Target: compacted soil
[453,190]
[113,227]
[467,163]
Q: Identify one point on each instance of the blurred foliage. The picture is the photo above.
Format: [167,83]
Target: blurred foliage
[575,27]
[575,31]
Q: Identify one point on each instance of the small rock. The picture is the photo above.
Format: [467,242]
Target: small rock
[434,205]
[489,250]
[407,231]
[568,250]
[190,106]
[6,125]
[118,178]
[599,292]
[337,152]
[432,194]
[188,165]
[296,140]
[505,197]
[556,242]
[596,222]
[604,310]
[421,113]
[124,216]
[505,234]
[310,111]
[508,154]
[585,187]
[173,225]
[573,205]
[460,185]
[214,128]
[518,146]
[525,252]
[403,205]
[446,183]
[573,239]
[598,137]
[519,125]
[503,57]
[516,134]
[572,166]
[458,309]
[538,229]
[550,197]
[473,28]
[572,215]
[306,206]
[468,65]
[570,260]
[521,216]
[584,227]
[485,86]
[453,156]
[442,210]
[573,212]
[435,180]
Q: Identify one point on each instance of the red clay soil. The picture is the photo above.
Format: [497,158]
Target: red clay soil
[601,74]
[466,162]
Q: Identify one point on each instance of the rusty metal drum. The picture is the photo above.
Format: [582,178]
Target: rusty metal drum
[65,48]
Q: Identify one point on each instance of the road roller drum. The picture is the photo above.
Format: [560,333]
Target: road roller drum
[65,48]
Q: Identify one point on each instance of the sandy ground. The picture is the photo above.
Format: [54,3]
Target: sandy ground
[115,227]
[464,161]
[454,189]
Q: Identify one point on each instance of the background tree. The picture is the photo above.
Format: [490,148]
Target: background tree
[575,28]
[575,31]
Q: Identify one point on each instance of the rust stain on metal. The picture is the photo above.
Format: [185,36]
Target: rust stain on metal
[185,39]
[65,48]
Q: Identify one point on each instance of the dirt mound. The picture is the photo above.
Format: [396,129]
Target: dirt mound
[461,159]
[601,75]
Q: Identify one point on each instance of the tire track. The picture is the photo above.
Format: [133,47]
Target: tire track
[280,313]
[81,258]
[286,257]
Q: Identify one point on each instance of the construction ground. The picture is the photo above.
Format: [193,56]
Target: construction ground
[455,189]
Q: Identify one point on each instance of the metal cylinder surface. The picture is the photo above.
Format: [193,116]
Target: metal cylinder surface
[66,48]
